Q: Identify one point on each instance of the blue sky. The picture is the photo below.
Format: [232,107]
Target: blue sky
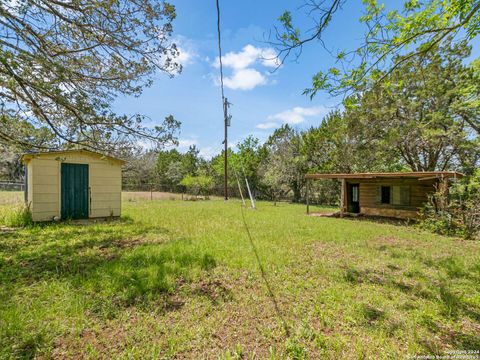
[262,99]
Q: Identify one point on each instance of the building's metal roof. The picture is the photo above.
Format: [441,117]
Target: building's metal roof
[415,175]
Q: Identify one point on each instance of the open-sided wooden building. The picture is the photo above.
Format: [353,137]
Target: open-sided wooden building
[398,194]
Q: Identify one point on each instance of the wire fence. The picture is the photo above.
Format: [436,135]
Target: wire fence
[153,188]
[12,186]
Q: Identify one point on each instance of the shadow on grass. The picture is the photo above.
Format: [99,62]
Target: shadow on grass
[115,264]
[106,268]
[55,250]
[148,276]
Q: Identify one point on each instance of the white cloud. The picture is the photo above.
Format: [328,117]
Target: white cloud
[298,114]
[267,125]
[243,74]
[248,56]
[185,57]
[269,58]
[207,152]
[244,79]
[186,49]
[186,143]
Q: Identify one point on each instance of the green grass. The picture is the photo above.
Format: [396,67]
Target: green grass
[179,279]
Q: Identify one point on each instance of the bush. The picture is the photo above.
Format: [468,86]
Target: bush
[16,216]
[198,185]
[456,212]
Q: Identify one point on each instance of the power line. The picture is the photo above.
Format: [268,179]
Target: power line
[220,50]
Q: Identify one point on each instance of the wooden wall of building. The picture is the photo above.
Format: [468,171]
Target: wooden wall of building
[370,203]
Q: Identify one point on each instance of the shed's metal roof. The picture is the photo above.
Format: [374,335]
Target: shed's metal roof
[28,156]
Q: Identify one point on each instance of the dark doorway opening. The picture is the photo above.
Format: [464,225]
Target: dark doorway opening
[354,198]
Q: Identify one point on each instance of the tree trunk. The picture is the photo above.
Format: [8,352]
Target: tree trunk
[297,195]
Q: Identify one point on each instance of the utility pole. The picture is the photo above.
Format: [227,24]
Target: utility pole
[227,119]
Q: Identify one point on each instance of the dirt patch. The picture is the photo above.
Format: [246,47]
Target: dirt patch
[130,243]
[215,290]
[325,213]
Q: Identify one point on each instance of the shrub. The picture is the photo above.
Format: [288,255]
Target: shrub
[198,185]
[456,212]
[16,216]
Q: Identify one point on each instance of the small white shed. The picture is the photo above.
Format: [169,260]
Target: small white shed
[73,184]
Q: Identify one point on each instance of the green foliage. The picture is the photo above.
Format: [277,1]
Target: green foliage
[198,185]
[172,166]
[284,167]
[455,213]
[390,32]
[414,114]
[62,76]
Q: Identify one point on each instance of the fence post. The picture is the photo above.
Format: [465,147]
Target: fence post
[308,197]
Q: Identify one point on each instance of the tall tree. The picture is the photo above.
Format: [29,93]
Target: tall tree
[139,170]
[336,145]
[285,159]
[248,159]
[164,161]
[62,64]
[411,112]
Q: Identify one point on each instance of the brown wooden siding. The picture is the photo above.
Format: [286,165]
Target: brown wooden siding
[370,204]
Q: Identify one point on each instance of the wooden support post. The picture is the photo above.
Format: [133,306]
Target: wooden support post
[343,198]
[307,195]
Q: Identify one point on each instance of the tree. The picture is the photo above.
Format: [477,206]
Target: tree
[247,161]
[198,185]
[164,160]
[284,163]
[175,173]
[410,112]
[62,63]
[11,168]
[139,169]
[336,145]
[217,169]
[275,176]
[390,32]
[191,160]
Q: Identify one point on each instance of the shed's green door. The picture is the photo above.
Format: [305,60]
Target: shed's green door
[74,191]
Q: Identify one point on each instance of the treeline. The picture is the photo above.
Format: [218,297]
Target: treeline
[423,116]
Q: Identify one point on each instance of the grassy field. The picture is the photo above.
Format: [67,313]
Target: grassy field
[179,279]
[10,197]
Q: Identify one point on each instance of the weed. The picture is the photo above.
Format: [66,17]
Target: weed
[295,350]
[16,216]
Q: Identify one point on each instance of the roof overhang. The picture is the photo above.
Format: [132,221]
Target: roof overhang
[420,175]
[28,156]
